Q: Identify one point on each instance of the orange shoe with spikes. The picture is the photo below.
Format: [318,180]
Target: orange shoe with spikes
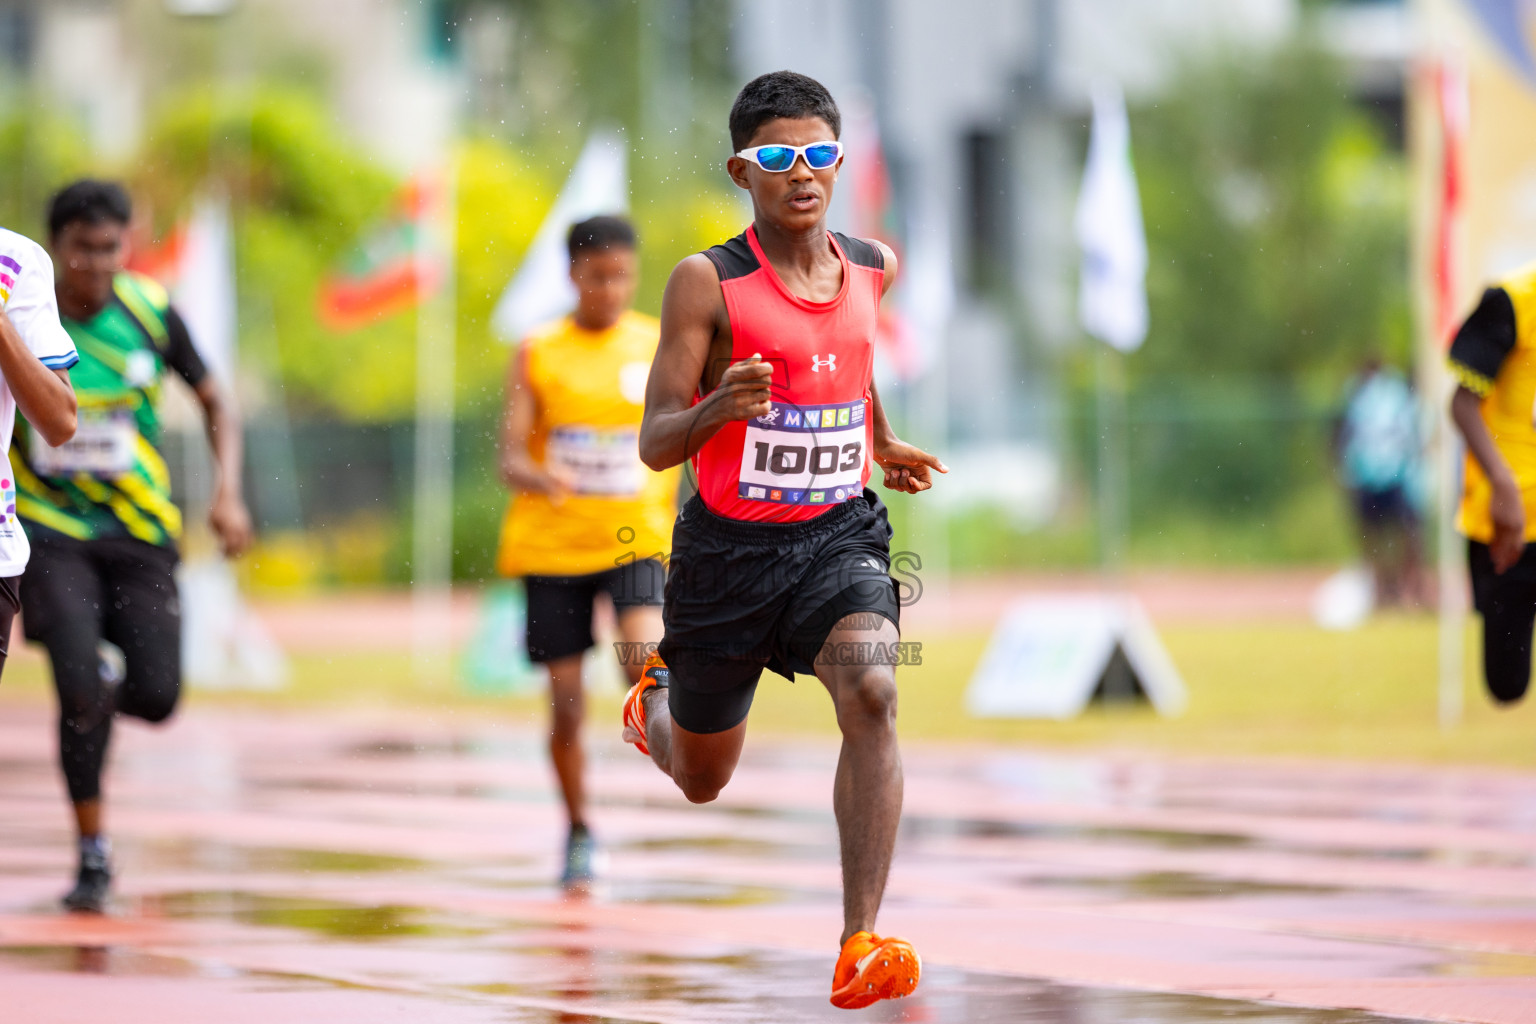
[871,969]
[654,673]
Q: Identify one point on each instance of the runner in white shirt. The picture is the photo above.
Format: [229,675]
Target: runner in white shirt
[35,357]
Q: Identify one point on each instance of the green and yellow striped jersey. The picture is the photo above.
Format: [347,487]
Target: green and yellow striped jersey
[111,480]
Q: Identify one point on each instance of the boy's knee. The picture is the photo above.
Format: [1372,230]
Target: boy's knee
[1507,661]
[699,790]
[156,710]
[1507,685]
[566,720]
[83,709]
[700,785]
[869,697]
[152,704]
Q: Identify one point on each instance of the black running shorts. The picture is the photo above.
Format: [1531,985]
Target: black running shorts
[744,596]
[560,607]
[1507,603]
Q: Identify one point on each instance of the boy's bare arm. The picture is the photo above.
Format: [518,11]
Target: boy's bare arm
[888,255]
[45,397]
[519,471]
[674,428]
[1506,508]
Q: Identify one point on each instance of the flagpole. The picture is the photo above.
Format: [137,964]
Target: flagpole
[1112,302]
[436,343]
[1113,512]
[936,568]
[1451,107]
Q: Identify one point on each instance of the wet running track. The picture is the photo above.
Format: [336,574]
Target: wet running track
[295,869]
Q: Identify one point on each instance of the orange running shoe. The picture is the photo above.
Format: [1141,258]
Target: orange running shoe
[655,673]
[871,969]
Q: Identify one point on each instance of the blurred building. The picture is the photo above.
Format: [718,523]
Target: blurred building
[105,60]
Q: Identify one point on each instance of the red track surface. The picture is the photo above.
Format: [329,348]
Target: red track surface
[302,870]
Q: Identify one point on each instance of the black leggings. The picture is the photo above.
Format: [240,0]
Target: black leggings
[74,595]
[1507,603]
[10,604]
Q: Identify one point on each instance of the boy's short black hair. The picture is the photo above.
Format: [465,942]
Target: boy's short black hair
[603,232]
[780,94]
[90,201]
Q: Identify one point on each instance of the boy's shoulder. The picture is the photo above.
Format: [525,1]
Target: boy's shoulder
[733,258]
[861,252]
[18,252]
[1520,286]
[143,287]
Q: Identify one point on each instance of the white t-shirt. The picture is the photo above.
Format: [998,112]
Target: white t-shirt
[26,294]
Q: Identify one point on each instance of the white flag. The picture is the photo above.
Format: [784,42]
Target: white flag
[205,286]
[928,292]
[541,290]
[1112,293]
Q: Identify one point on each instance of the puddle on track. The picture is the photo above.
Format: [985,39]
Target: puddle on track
[331,920]
[204,854]
[1172,885]
[107,960]
[684,892]
[586,986]
[718,844]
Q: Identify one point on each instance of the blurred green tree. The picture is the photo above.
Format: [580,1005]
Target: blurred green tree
[1276,219]
[1276,223]
[38,151]
[304,197]
[661,70]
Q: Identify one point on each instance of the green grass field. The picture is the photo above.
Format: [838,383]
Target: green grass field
[1274,689]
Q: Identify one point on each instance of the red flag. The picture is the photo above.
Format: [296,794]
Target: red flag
[161,259]
[1454,108]
[385,275]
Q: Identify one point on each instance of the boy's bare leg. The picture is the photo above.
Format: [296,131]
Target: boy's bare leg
[639,625]
[867,794]
[568,705]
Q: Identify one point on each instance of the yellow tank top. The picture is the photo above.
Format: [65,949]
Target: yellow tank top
[1509,410]
[590,390]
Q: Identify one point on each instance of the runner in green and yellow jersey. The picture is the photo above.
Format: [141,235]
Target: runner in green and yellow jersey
[100,592]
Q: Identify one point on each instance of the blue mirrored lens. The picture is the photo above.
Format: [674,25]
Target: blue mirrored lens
[824,155]
[776,158]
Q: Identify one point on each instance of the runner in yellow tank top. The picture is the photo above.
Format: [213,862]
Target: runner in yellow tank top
[587,515]
[1494,361]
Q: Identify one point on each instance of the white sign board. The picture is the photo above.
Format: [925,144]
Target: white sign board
[224,645]
[1053,654]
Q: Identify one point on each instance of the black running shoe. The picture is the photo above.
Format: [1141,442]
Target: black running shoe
[92,884]
[580,854]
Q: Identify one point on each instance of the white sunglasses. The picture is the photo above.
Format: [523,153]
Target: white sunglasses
[818,156]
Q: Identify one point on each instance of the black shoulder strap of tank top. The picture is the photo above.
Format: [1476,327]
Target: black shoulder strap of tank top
[860,252]
[734,258]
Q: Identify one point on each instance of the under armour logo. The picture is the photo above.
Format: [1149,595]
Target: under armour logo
[817,363]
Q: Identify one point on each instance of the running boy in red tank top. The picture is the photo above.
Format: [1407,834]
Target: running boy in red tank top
[763,380]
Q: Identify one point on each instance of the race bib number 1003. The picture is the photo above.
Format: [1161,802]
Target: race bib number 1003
[804,455]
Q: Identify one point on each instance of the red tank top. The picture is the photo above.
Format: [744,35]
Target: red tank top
[810,452]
